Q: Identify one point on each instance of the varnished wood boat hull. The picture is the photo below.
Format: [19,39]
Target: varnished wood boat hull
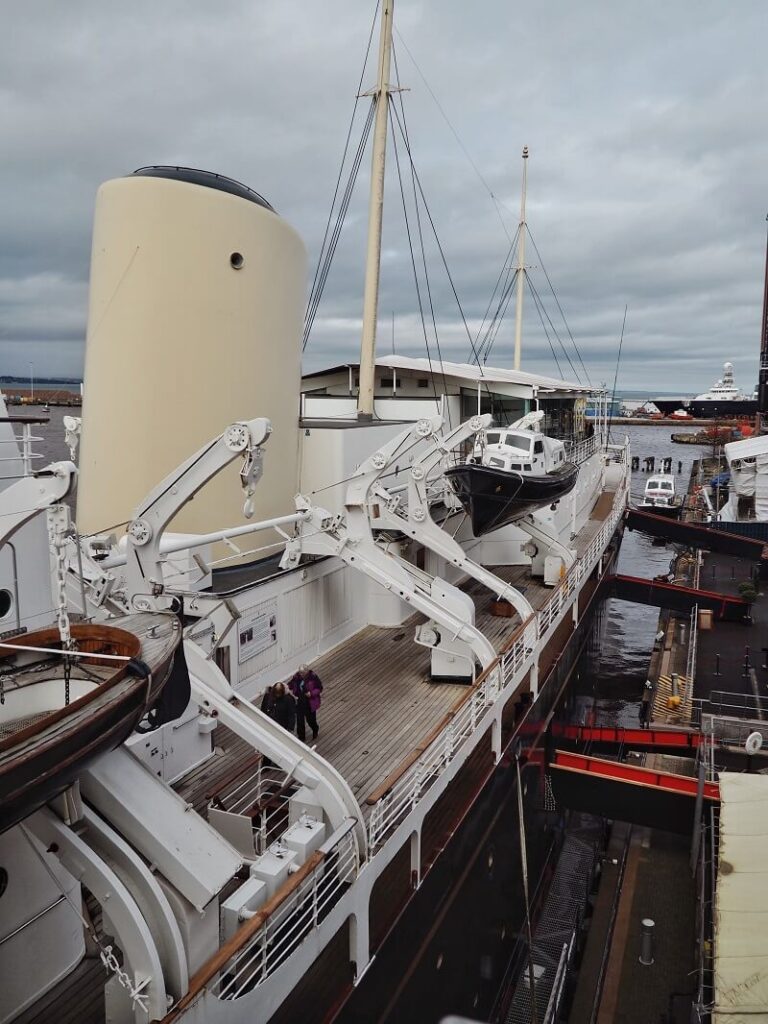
[40,761]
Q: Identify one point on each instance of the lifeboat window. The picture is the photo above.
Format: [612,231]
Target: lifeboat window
[666,485]
[6,602]
[497,462]
[492,438]
[538,447]
[515,465]
[520,441]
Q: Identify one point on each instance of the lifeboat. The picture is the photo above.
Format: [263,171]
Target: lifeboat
[511,472]
[59,712]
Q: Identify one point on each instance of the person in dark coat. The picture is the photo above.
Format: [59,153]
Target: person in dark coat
[283,707]
[306,688]
[268,701]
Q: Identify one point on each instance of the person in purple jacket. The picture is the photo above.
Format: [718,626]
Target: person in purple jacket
[306,688]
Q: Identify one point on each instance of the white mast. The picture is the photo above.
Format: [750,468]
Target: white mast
[521,265]
[375,209]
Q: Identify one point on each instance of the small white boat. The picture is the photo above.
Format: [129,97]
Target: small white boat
[660,497]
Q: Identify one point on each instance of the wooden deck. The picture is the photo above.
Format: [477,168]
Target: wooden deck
[378,700]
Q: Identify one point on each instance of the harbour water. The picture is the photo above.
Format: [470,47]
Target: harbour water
[613,667]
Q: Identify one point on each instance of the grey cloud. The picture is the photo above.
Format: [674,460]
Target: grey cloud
[647,130]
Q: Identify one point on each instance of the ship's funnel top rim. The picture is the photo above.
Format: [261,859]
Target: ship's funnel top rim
[208,179]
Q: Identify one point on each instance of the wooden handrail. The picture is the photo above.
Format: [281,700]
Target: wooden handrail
[219,960]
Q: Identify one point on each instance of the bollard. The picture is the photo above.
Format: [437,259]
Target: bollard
[646,942]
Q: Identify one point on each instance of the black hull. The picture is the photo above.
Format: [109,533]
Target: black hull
[665,511]
[709,410]
[492,498]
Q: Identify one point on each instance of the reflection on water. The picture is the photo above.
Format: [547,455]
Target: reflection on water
[614,664]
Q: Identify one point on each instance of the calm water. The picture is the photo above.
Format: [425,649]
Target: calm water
[613,668]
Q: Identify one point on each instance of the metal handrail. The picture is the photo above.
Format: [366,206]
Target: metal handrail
[289,918]
[393,805]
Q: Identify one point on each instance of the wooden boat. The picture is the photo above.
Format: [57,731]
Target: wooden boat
[51,728]
[511,473]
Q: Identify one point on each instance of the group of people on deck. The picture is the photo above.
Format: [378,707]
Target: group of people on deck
[295,705]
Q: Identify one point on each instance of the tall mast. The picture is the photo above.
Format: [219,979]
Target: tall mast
[521,265]
[375,209]
[762,387]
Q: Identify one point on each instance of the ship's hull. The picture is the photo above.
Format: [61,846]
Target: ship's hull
[727,410]
[492,498]
[450,948]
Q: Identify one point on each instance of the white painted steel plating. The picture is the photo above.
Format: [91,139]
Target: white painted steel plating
[295,918]
[375,211]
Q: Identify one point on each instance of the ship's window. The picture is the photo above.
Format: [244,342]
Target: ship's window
[515,465]
[422,382]
[6,602]
[492,438]
[666,485]
[497,462]
[522,442]
[236,260]
[387,382]
[538,447]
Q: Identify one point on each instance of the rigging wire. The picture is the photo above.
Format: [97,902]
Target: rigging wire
[546,332]
[464,149]
[554,329]
[421,241]
[314,300]
[501,311]
[616,371]
[438,242]
[413,258]
[506,268]
[341,169]
[557,301]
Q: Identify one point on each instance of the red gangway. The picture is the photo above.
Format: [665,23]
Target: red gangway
[624,792]
[618,771]
[661,594]
[675,739]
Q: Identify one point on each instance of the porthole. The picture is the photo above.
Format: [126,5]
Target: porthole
[6,602]
[236,260]
[3,880]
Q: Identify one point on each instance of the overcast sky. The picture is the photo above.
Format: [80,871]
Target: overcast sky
[648,183]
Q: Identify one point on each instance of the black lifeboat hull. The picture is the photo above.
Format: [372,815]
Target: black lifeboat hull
[493,498]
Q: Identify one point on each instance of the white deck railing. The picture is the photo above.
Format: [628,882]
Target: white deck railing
[508,669]
[280,930]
